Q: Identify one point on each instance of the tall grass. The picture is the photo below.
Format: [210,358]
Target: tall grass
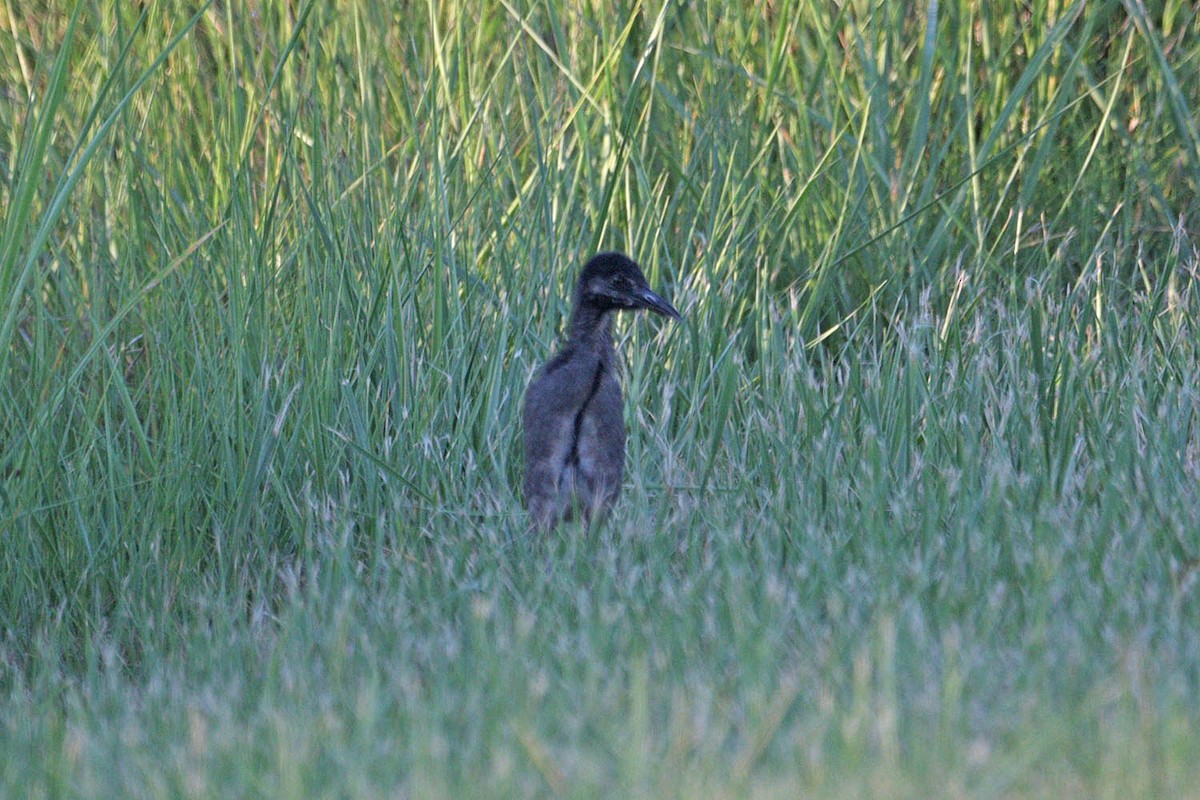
[912,502]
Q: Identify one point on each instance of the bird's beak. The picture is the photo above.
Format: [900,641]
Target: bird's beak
[648,299]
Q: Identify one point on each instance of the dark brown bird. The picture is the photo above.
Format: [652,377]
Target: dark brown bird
[574,423]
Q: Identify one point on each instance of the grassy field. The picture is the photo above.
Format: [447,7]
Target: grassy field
[913,503]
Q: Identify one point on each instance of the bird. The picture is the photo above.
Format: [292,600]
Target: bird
[573,421]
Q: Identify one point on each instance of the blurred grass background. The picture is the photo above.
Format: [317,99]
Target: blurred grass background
[912,504]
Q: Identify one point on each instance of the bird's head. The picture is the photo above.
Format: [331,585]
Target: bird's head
[613,282]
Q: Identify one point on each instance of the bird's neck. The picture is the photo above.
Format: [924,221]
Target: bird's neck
[591,328]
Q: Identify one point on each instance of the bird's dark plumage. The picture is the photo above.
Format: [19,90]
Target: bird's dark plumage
[574,423]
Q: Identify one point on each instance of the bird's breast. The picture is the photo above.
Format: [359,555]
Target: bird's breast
[600,445]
